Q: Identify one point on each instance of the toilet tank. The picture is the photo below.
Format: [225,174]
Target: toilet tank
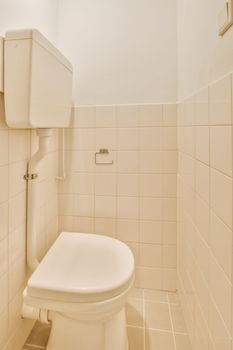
[37,82]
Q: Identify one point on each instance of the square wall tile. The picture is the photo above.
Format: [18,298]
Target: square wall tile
[221,148]
[151,115]
[105,116]
[202,107]
[202,144]
[127,116]
[220,102]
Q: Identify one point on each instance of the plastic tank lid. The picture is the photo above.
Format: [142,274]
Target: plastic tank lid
[36,36]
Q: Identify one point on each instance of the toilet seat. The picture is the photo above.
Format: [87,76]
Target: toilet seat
[82,268]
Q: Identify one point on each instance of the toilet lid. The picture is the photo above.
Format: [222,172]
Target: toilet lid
[82,264]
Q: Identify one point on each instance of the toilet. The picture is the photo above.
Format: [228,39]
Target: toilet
[81,287]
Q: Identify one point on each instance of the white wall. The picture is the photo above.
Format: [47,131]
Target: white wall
[40,14]
[123,51]
[203,56]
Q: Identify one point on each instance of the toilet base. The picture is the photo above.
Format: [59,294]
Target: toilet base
[72,334]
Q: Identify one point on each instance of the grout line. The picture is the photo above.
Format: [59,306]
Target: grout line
[144,318]
[157,330]
[173,334]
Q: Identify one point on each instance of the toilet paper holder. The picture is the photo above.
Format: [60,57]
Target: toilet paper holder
[102,152]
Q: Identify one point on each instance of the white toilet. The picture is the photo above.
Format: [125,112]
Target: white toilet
[81,286]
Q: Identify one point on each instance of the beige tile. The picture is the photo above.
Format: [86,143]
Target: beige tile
[202,107]
[220,289]
[202,144]
[105,184]
[221,196]
[105,207]
[147,277]
[169,185]
[19,141]
[81,139]
[221,338]
[127,139]
[182,342]
[83,117]
[105,227]
[177,319]
[3,220]
[170,162]
[170,138]
[83,224]
[128,184]
[105,116]
[159,340]
[3,292]
[151,115]
[202,218]
[4,150]
[221,243]
[127,161]
[128,208]
[157,316]
[127,116]
[220,102]
[150,255]
[170,115]
[83,183]
[17,182]
[128,230]
[134,312]
[203,181]
[17,243]
[221,148]
[155,295]
[4,183]
[136,293]
[82,161]
[151,162]
[151,138]
[105,138]
[169,232]
[150,208]
[151,232]
[169,256]
[136,338]
[173,298]
[17,211]
[169,279]
[151,185]
[84,205]
[169,209]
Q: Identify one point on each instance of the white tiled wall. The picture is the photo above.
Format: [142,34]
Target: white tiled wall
[16,147]
[134,199]
[205,215]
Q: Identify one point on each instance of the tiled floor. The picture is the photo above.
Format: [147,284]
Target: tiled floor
[155,322]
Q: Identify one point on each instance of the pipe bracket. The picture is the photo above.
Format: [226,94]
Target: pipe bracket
[29,177]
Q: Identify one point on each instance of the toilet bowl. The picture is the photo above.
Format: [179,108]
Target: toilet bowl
[81,286]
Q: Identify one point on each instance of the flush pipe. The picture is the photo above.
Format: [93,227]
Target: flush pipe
[32,174]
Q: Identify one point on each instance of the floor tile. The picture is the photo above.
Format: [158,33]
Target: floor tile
[159,340]
[182,342]
[177,319]
[157,316]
